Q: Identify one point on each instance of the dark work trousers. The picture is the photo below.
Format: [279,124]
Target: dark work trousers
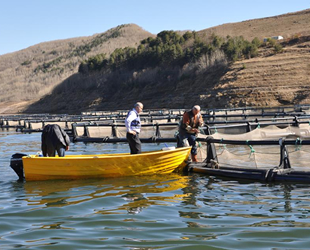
[51,150]
[191,138]
[134,143]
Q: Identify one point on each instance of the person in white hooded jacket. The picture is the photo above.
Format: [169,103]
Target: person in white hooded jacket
[133,126]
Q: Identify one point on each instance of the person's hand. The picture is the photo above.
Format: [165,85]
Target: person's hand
[67,148]
[195,130]
[133,132]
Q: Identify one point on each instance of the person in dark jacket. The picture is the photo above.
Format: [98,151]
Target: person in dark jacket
[188,129]
[53,139]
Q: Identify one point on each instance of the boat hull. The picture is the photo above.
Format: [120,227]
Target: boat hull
[102,166]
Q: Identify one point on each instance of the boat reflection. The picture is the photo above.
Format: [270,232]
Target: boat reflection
[136,193]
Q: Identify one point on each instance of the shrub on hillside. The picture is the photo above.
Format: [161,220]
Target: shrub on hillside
[47,66]
[257,42]
[25,63]
[278,48]
[168,50]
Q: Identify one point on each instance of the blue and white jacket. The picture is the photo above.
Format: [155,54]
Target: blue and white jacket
[132,121]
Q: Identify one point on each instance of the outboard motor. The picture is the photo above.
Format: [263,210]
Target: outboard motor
[17,165]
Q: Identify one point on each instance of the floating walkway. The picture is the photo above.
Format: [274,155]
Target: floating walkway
[116,132]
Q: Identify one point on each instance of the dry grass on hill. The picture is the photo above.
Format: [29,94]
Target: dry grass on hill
[287,25]
[19,80]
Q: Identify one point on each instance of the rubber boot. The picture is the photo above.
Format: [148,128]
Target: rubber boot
[194,158]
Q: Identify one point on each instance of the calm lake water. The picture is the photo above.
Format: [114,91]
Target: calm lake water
[153,212]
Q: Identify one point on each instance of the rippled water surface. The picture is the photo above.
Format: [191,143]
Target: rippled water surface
[152,212]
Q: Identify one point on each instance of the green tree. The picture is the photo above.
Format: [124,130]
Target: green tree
[250,50]
[187,35]
[256,42]
[271,42]
[217,41]
[141,49]
[179,50]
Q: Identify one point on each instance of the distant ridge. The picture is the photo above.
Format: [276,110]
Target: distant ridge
[286,25]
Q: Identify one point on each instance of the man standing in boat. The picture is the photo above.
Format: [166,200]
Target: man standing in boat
[54,138]
[188,129]
[133,126]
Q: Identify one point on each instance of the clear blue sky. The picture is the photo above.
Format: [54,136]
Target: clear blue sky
[24,23]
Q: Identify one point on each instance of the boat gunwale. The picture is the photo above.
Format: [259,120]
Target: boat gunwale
[102,156]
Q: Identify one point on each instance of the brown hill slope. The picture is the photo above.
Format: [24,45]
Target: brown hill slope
[28,74]
[287,25]
[269,79]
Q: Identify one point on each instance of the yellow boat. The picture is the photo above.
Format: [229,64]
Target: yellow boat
[106,165]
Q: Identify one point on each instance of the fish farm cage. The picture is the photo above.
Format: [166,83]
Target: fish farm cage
[267,144]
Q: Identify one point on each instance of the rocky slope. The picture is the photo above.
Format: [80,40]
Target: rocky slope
[270,79]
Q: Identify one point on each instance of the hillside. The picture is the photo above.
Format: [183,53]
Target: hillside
[269,79]
[286,25]
[29,74]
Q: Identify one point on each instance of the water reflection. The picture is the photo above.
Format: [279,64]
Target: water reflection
[136,193]
[193,192]
[243,199]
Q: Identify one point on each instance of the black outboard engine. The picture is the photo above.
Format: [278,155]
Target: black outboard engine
[17,165]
